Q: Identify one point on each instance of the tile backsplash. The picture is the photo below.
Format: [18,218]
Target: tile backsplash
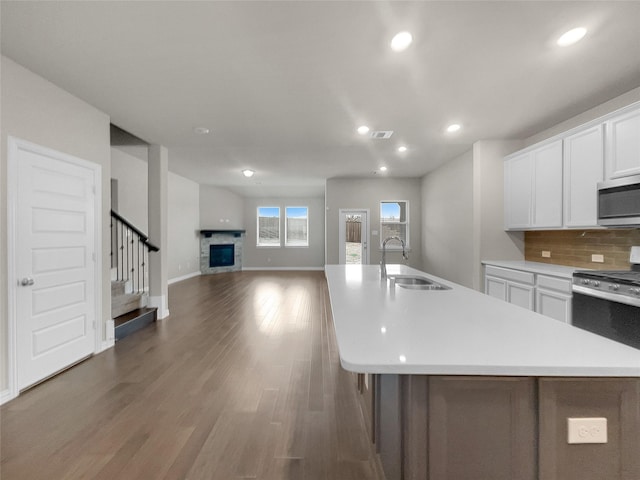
[575,247]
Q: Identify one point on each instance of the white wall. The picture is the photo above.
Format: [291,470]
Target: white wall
[36,110]
[311,257]
[367,193]
[220,209]
[447,219]
[184,227]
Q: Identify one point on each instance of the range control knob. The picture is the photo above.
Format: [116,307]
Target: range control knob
[615,287]
[635,291]
[585,281]
[595,283]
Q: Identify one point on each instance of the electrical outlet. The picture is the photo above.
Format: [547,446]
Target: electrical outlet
[546,254]
[597,258]
[587,430]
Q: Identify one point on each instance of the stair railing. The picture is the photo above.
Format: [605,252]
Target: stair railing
[130,253]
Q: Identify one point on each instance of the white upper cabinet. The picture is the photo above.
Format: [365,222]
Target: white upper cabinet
[547,186]
[554,184]
[623,145]
[583,169]
[533,188]
[518,173]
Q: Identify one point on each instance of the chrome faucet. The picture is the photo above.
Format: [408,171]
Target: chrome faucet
[383,263]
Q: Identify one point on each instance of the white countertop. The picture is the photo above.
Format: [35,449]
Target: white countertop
[458,332]
[535,267]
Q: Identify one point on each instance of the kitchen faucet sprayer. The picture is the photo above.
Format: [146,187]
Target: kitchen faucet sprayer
[383,263]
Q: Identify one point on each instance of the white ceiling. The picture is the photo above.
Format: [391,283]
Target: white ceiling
[283,85]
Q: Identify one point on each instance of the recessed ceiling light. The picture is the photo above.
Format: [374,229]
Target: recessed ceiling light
[402,149]
[454,127]
[248,172]
[363,129]
[572,36]
[402,358]
[401,41]
[383,169]
[201,130]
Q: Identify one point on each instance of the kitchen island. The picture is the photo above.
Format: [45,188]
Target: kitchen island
[460,385]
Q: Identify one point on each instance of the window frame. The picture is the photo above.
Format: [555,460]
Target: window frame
[286,227]
[406,223]
[258,216]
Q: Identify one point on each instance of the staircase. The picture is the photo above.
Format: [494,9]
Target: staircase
[129,310]
[129,277]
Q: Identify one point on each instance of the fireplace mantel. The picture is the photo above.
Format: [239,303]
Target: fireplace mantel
[235,233]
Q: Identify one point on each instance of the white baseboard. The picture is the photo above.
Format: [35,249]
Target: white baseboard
[290,269]
[183,277]
[160,302]
[6,396]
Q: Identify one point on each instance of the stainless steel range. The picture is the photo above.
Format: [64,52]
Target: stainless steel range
[608,302]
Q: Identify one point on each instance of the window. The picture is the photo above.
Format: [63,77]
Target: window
[268,227]
[394,222]
[296,232]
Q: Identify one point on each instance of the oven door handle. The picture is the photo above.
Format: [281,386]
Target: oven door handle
[613,297]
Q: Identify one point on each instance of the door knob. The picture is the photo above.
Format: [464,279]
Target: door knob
[26,281]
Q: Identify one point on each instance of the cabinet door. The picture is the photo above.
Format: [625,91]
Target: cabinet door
[518,173]
[495,287]
[583,169]
[481,428]
[521,295]
[547,188]
[623,145]
[553,304]
[615,399]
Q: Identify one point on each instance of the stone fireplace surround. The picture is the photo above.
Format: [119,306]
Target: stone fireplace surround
[220,237]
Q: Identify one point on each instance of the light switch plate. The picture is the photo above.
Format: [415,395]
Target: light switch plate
[597,258]
[546,254]
[587,430]
[634,256]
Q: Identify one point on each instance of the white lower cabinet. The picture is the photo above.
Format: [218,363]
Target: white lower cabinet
[545,294]
[513,286]
[521,295]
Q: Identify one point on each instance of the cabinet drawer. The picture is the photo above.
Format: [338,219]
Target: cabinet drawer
[554,283]
[508,274]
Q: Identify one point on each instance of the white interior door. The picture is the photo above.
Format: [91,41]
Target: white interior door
[55,262]
[354,237]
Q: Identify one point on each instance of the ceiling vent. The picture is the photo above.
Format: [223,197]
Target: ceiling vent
[381,134]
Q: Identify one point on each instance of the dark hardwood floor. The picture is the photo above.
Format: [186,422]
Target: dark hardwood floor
[241,381]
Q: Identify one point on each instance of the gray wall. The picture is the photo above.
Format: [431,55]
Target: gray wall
[447,220]
[598,111]
[220,209]
[183,237]
[463,219]
[311,257]
[183,220]
[490,241]
[36,110]
[132,175]
[367,193]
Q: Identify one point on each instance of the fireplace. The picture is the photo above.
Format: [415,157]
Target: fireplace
[221,251]
[221,255]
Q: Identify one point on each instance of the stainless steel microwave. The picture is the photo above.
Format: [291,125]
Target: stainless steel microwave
[619,202]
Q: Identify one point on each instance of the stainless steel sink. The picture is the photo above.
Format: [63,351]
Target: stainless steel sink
[415,282]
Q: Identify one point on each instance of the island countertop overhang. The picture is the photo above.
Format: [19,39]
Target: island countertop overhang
[385,329]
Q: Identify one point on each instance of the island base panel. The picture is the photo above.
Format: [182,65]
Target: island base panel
[511,428]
